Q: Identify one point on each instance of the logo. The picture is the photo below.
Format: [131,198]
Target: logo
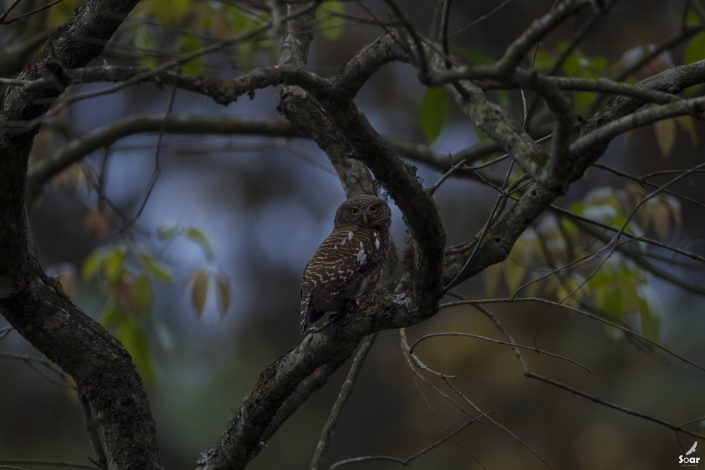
[687,460]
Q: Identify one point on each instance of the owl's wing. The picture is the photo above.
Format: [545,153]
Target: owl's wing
[332,268]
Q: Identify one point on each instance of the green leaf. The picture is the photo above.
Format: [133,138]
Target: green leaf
[692,19]
[478,57]
[114,266]
[155,268]
[695,50]
[544,60]
[112,315]
[186,44]
[199,290]
[613,303]
[665,132]
[91,265]
[649,321]
[197,235]
[143,39]
[59,13]
[329,21]
[142,295]
[434,112]
[166,232]
[169,12]
[137,344]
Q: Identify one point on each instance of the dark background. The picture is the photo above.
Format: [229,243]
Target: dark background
[265,204]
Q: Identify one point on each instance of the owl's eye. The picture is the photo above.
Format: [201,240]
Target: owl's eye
[374,209]
[355,211]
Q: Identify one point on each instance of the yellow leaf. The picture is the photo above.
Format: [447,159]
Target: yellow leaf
[661,217]
[491,278]
[91,265]
[665,135]
[199,290]
[514,274]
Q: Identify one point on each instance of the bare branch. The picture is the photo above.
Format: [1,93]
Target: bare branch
[343,395]
[405,462]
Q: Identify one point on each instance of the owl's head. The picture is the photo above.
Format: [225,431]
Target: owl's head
[365,211]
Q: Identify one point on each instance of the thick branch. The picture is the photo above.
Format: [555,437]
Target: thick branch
[501,236]
[104,372]
[221,91]
[105,136]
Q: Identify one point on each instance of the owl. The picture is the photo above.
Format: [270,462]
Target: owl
[350,260]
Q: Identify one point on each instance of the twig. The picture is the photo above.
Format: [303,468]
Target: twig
[405,462]
[498,341]
[600,401]
[589,315]
[9,10]
[343,395]
[48,463]
[25,15]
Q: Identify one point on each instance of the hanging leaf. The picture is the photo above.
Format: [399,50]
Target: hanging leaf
[187,44]
[156,268]
[142,295]
[114,266]
[142,38]
[492,275]
[695,50]
[223,289]
[514,275]
[661,219]
[112,315]
[199,237]
[169,12]
[137,344]
[199,290]
[665,135]
[91,265]
[329,20]
[434,112]
[687,124]
[166,232]
[61,12]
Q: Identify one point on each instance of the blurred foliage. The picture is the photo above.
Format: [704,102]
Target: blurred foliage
[434,109]
[126,275]
[543,263]
[213,366]
[330,20]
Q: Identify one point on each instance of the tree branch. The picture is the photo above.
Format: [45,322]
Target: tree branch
[340,401]
[35,305]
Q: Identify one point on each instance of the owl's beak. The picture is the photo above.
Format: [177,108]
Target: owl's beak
[364,218]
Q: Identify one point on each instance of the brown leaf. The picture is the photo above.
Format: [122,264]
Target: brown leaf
[223,285]
[199,290]
[98,223]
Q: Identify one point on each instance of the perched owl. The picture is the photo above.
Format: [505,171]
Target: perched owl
[350,260]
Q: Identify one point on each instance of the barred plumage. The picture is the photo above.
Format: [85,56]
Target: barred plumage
[350,260]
